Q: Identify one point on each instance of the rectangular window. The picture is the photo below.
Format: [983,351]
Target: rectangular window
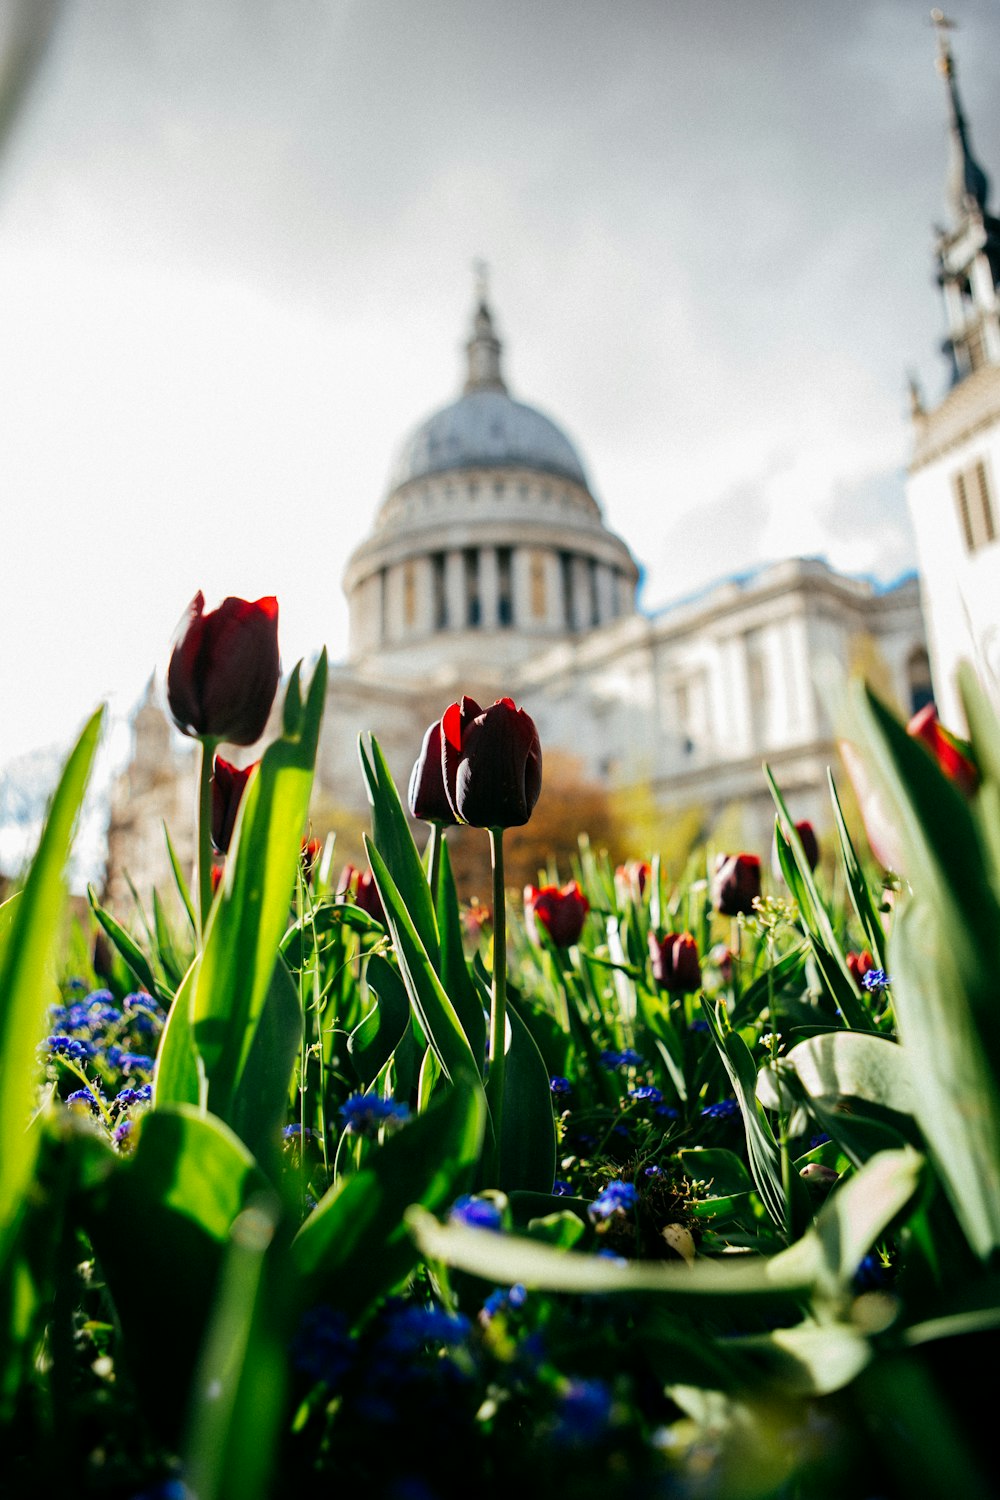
[440,592]
[974,504]
[473,609]
[566,575]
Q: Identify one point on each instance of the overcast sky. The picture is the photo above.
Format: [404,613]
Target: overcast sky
[235,250]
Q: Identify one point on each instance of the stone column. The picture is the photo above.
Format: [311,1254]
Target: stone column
[581,593]
[423,622]
[454,589]
[488,588]
[521,563]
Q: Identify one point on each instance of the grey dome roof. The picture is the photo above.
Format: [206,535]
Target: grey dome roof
[486,428]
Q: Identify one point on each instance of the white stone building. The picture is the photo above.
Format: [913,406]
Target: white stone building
[489,570]
[952,488]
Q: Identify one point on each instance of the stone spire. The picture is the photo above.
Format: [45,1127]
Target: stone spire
[483,348]
[968,185]
[968,254]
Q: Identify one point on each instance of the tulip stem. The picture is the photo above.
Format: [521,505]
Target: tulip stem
[498,1007]
[434,859]
[204,870]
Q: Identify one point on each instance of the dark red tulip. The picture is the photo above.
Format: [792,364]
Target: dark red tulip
[735,883]
[361,885]
[228,785]
[675,962]
[561,912]
[310,853]
[428,798]
[859,965]
[810,848]
[492,763]
[224,668]
[946,749]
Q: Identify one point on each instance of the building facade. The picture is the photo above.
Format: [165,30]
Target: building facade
[952,487]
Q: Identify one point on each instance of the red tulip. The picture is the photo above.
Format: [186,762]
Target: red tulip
[361,885]
[859,965]
[492,763]
[946,749]
[735,884]
[675,962]
[310,852]
[224,668]
[228,785]
[810,848]
[561,912]
[427,797]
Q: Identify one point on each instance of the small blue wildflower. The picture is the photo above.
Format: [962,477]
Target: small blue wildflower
[127,1097]
[113,1056]
[504,1299]
[76,984]
[617,1061]
[68,1047]
[365,1114]
[617,1197]
[871,1274]
[142,1023]
[77,1016]
[323,1347]
[293,1132]
[613,1256]
[84,1096]
[818,1140]
[477,1213]
[140,1000]
[122,1132]
[135,1062]
[875,981]
[645,1093]
[560,1086]
[561,1188]
[665,1112]
[622,1132]
[583,1413]
[410,1327]
[651,1171]
[724,1110]
[700,1025]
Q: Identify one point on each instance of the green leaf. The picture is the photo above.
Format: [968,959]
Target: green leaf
[250,912]
[433,1008]
[984,727]
[374,1040]
[861,897]
[455,977]
[394,841]
[528,1135]
[829,955]
[27,978]
[808,1360]
[163,1220]
[129,949]
[762,1148]
[180,1075]
[183,889]
[785,972]
[239,1388]
[860,1089]
[355,1246]
[261,1101]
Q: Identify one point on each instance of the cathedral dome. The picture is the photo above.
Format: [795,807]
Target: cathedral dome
[489,527]
[486,428]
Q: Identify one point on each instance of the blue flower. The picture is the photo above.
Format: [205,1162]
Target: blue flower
[409,1327]
[85,1096]
[651,1171]
[583,1414]
[699,1025]
[122,1132]
[617,1197]
[504,1299]
[293,1132]
[135,1062]
[561,1188]
[618,1061]
[128,1097]
[365,1114]
[665,1112]
[477,1213]
[724,1110]
[323,1347]
[875,981]
[560,1086]
[138,1001]
[645,1092]
[68,1047]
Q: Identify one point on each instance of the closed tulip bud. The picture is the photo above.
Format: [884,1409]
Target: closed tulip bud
[228,785]
[223,670]
[561,912]
[361,885]
[427,797]
[859,964]
[308,855]
[946,748]
[810,848]
[675,962]
[492,763]
[735,884]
